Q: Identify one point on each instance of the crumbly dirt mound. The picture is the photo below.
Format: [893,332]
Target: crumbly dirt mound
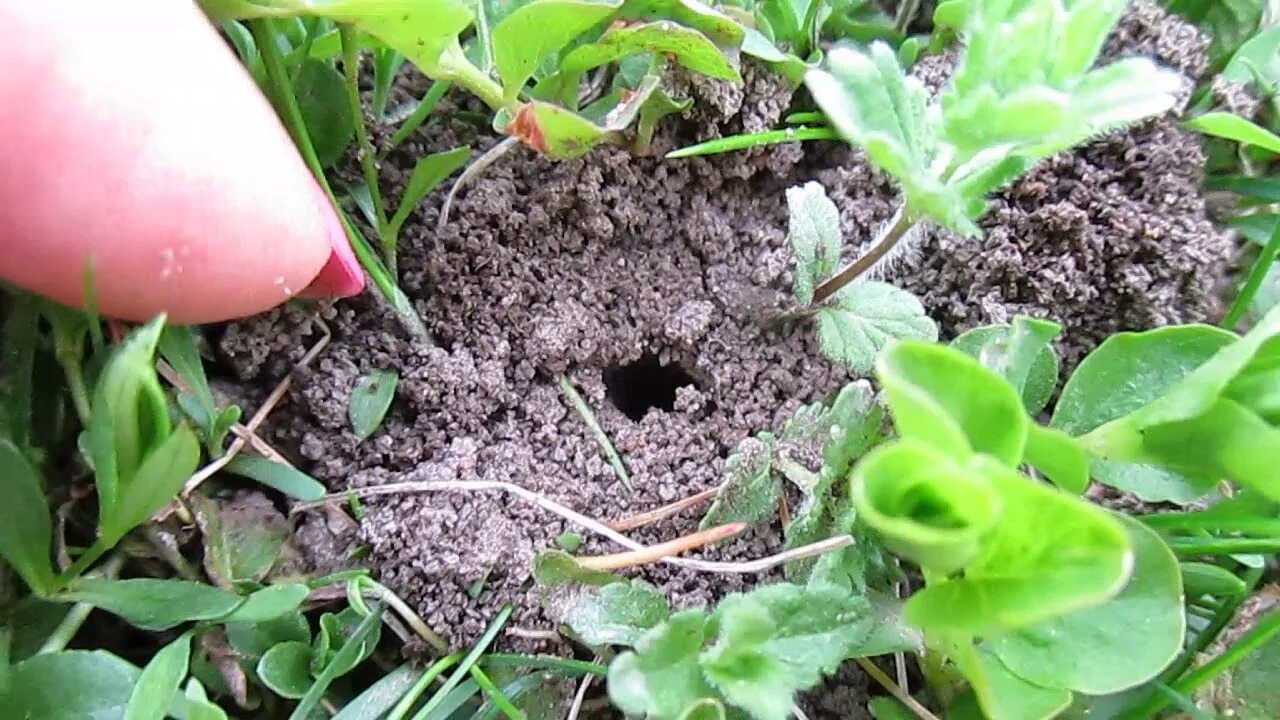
[645,281]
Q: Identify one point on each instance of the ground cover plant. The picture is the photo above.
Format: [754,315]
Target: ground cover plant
[758,360]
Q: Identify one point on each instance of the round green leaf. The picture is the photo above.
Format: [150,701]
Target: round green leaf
[926,507]
[1125,372]
[322,98]
[69,684]
[370,400]
[943,397]
[1113,646]
[286,669]
[618,613]
[1042,378]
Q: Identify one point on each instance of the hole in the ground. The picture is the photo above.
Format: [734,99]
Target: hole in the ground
[645,384]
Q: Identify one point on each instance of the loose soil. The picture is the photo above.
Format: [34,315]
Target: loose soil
[645,282]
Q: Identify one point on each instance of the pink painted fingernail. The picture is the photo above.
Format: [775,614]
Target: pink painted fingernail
[342,275]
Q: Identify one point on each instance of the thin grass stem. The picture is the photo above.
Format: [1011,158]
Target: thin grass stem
[589,419]
[364,147]
[1257,274]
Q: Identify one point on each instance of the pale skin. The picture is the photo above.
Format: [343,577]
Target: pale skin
[131,136]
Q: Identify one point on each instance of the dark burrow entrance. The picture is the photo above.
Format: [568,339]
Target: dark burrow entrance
[638,387]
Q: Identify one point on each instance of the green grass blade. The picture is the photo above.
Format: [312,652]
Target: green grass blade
[342,659]
[1257,274]
[374,702]
[422,112]
[498,700]
[465,667]
[742,142]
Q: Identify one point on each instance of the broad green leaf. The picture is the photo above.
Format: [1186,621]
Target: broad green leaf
[661,678]
[750,492]
[1233,127]
[1258,58]
[1051,553]
[993,346]
[290,481]
[556,132]
[253,640]
[536,30]
[1001,694]
[722,29]
[361,638]
[269,603]
[686,46]
[618,613]
[286,669]
[428,172]
[942,396]
[338,630]
[70,684]
[1200,579]
[887,708]
[814,235]
[26,534]
[370,399]
[425,31]
[556,567]
[159,681]
[322,99]
[1124,373]
[159,477]
[1058,456]
[198,705]
[242,541]
[153,604]
[869,315]
[779,639]
[925,506]
[1114,646]
[1215,422]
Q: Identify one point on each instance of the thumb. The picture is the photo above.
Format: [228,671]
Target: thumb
[135,140]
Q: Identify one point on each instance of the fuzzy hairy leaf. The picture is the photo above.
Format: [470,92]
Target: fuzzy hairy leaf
[868,316]
[779,639]
[814,234]
[750,492]
[661,677]
[618,613]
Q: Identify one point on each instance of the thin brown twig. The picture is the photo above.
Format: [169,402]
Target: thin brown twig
[577,518]
[260,446]
[903,697]
[258,417]
[581,694]
[897,229]
[654,553]
[666,511]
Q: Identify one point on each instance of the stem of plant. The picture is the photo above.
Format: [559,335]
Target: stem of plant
[364,149]
[1224,546]
[73,368]
[887,241]
[75,617]
[885,681]
[455,67]
[428,635]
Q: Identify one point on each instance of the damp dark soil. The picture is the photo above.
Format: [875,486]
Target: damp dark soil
[644,281]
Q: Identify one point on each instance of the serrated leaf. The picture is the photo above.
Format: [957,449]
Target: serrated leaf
[779,639]
[618,613]
[159,681]
[370,399]
[660,679]
[153,604]
[869,315]
[750,491]
[26,534]
[534,31]
[814,234]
